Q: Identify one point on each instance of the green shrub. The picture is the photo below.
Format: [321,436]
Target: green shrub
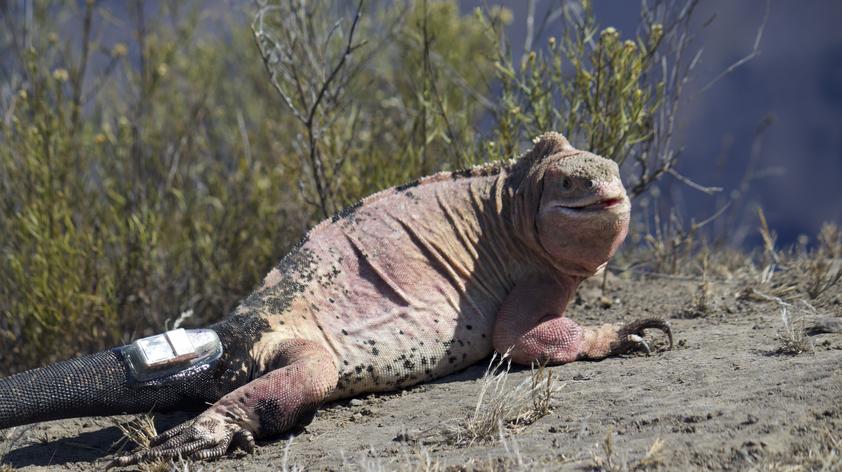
[159,161]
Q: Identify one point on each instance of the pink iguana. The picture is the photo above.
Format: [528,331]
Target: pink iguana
[413,283]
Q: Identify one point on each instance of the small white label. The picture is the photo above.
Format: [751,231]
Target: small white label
[155,349]
[180,343]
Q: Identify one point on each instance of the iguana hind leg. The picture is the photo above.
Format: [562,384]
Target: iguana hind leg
[268,405]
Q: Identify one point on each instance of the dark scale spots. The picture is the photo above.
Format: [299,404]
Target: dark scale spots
[370,368]
[375,351]
[345,332]
[435,321]
[347,212]
[389,368]
[469,327]
[412,197]
[331,300]
[428,371]
[238,334]
[298,268]
[459,174]
[407,186]
[451,359]
[413,349]
[423,361]
[409,365]
[400,332]
[462,344]
[358,369]
[372,342]
[271,415]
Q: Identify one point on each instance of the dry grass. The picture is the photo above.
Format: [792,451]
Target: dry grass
[703,302]
[824,267]
[612,460]
[9,440]
[500,407]
[140,430]
[824,455]
[421,460]
[792,334]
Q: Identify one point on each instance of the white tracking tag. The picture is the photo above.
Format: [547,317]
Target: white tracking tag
[164,354]
[171,347]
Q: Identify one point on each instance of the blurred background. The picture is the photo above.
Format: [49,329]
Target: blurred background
[790,93]
[157,158]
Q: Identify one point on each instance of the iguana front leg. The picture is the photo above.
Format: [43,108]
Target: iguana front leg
[531,325]
[275,402]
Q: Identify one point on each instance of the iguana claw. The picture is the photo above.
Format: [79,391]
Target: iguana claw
[630,336]
[640,342]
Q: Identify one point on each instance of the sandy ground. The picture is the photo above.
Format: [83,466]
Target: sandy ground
[723,399]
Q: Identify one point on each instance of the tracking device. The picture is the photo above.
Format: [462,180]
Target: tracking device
[164,355]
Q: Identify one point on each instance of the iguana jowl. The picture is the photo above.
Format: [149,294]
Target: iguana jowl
[414,283]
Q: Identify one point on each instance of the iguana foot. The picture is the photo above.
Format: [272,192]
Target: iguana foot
[630,336]
[208,436]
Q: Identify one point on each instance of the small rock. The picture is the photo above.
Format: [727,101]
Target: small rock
[357,402]
[605,302]
[402,437]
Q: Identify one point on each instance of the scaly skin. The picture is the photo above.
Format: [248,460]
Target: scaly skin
[415,283]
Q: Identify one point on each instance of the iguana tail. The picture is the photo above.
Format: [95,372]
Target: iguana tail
[154,373]
[97,384]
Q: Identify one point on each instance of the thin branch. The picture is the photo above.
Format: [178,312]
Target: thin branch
[693,185]
[754,52]
[349,48]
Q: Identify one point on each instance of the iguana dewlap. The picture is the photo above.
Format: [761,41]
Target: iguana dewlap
[414,283]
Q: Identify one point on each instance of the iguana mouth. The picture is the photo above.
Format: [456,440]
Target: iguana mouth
[591,205]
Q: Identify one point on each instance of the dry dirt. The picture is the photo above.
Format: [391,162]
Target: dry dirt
[723,399]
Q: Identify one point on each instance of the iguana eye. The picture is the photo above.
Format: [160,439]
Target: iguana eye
[566,183]
[590,184]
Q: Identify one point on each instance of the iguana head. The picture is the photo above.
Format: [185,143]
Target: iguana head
[580,210]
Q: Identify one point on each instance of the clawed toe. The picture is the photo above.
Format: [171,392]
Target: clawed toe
[631,335]
[633,338]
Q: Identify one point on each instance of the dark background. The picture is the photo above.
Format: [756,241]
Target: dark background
[795,81]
